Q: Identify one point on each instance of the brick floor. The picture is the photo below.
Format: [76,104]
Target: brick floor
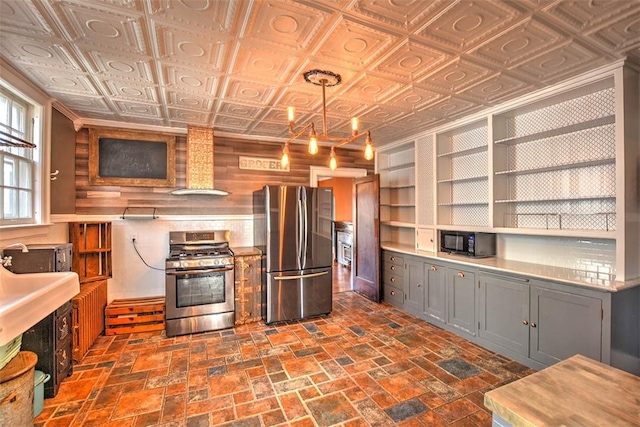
[364,364]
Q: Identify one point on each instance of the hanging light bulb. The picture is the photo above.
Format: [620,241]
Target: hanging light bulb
[354,125]
[333,163]
[368,148]
[291,111]
[313,141]
[284,160]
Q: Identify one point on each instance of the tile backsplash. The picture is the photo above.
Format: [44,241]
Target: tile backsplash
[593,255]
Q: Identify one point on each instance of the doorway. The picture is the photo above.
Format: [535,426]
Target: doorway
[342,279]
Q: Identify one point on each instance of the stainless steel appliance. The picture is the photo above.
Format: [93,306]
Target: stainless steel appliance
[199,282]
[478,245]
[293,228]
[344,242]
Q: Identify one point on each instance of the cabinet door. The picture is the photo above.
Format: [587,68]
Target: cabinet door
[435,302]
[564,324]
[461,300]
[503,312]
[413,286]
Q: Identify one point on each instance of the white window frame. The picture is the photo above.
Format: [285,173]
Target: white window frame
[21,158]
[14,83]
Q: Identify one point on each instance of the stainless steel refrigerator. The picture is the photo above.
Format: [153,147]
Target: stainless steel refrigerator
[293,228]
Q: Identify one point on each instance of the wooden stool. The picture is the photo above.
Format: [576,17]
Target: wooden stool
[16,390]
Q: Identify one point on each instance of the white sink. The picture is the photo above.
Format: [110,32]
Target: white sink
[25,299]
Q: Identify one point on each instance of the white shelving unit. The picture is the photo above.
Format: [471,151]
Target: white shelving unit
[554,162]
[560,162]
[397,194]
[462,176]
[426,239]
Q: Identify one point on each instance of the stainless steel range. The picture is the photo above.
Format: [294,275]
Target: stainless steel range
[199,282]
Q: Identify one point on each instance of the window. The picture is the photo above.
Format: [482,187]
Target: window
[18,165]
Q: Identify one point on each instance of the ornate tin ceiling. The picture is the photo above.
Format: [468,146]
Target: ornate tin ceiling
[236,65]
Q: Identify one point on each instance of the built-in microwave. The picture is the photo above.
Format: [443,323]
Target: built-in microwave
[478,245]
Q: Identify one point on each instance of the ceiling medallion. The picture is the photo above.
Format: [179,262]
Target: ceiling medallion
[324,79]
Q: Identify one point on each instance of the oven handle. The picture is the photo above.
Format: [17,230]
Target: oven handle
[302,276]
[209,270]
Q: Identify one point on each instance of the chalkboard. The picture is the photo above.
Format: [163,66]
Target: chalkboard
[129,158]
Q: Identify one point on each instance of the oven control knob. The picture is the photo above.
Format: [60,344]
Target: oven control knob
[216,261]
[184,264]
[200,263]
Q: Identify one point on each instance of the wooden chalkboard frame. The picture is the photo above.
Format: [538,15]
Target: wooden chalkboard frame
[138,143]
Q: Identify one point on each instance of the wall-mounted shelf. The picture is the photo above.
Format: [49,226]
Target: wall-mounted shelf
[150,214]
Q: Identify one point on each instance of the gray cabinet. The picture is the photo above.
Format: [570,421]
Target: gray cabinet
[413,284]
[393,278]
[461,299]
[503,312]
[537,320]
[425,288]
[435,299]
[534,321]
[563,324]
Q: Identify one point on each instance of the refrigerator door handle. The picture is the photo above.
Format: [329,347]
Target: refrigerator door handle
[301,276]
[306,230]
[300,231]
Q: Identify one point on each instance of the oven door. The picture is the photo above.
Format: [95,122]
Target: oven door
[199,291]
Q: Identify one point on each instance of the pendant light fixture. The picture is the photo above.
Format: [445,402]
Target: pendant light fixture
[324,79]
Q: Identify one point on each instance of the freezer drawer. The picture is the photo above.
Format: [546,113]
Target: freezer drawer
[298,294]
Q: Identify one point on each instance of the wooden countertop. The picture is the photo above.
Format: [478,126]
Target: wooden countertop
[575,392]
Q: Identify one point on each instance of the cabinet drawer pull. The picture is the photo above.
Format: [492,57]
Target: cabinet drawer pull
[533,325]
[393,267]
[460,274]
[418,285]
[393,258]
[524,322]
[393,292]
[434,268]
[393,279]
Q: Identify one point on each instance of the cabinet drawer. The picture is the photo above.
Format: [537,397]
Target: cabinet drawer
[393,269]
[390,278]
[393,296]
[392,258]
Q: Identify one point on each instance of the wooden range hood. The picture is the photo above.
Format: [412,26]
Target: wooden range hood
[200,163]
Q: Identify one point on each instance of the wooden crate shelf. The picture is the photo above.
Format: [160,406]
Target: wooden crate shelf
[125,316]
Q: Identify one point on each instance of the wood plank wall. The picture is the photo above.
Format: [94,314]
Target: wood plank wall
[109,200]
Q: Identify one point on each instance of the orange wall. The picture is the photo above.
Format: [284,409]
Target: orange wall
[343,194]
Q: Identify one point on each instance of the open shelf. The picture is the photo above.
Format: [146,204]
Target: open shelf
[575,127]
[584,163]
[478,203]
[466,152]
[560,199]
[463,179]
[397,170]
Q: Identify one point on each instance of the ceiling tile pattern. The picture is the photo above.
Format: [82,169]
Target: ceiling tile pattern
[237,64]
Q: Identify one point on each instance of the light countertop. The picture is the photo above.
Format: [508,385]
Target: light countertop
[582,278]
